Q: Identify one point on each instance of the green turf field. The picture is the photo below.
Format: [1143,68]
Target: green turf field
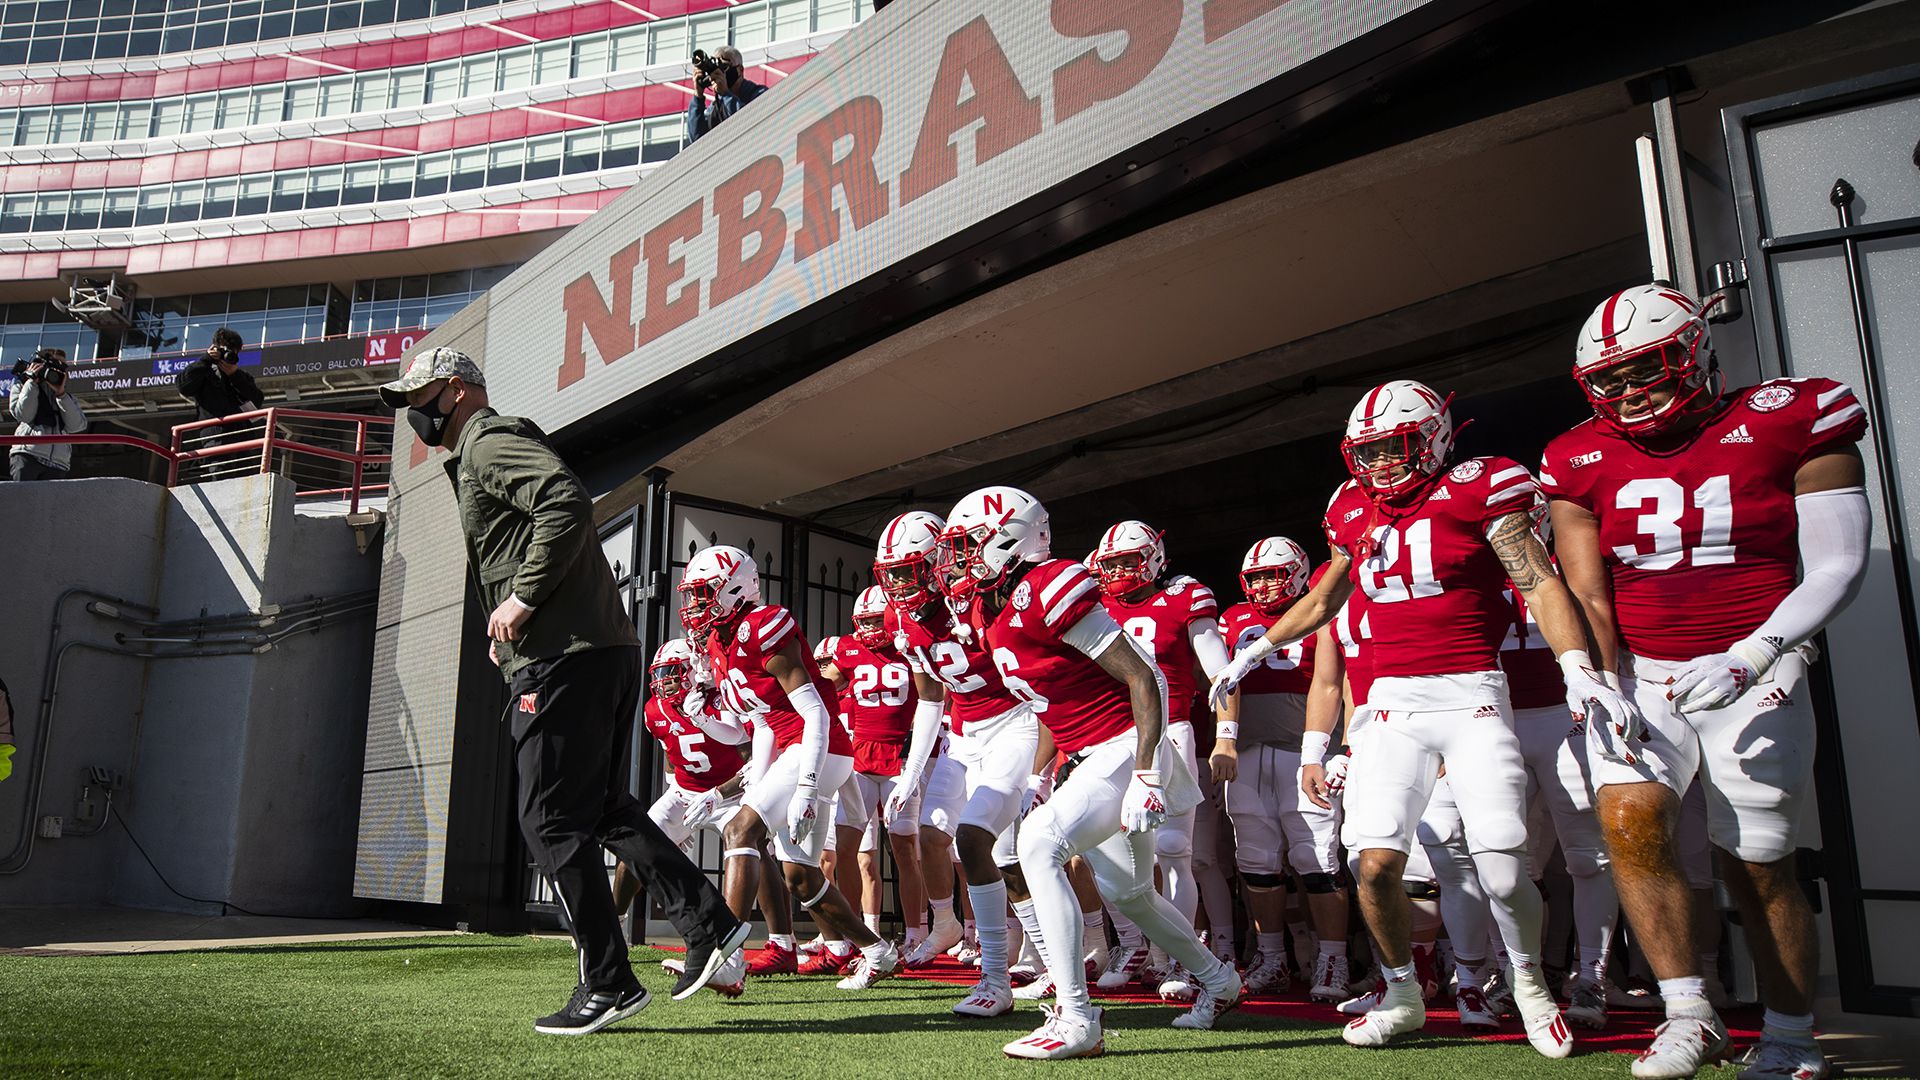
[463,1007]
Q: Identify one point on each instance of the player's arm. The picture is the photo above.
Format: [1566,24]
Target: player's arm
[1835,525]
[1040,783]
[926,734]
[763,752]
[1576,540]
[721,725]
[1224,762]
[788,667]
[1210,656]
[1324,698]
[1097,635]
[1311,612]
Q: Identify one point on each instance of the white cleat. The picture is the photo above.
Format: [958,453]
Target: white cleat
[1179,986]
[674,966]
[813,948]
[1400,1012]
[1475,1014]
[1362,1004]
[1209,1004]
[1776,1058]
[868,970]
[1330,979]
[1586,1004]
[1123,964]
[1097,960]
[1683,1045]
[1268,975]
[1060,1036]
[1546,1029]
[1039,989]
[933,946]
[1154,971]
[731,980]
[986,1000]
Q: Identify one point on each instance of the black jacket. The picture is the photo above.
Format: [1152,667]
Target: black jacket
[218,395]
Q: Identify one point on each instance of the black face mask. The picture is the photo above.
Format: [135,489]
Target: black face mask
[429,422]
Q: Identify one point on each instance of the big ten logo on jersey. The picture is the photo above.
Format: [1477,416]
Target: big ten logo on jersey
[1283,659]
[1670,517]
[1399,564]
[948,662]
[881,685]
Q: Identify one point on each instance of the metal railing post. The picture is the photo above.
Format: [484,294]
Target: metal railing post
[359,463]
[266,444]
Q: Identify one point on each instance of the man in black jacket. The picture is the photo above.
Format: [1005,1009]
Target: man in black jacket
[219,388]
[732,90]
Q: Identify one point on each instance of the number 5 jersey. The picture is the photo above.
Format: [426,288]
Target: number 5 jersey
[1700,536]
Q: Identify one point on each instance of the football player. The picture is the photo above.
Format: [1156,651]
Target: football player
[1681,514]
[1100,700]
[1175,621]
[984,780]
[1433,543]
[763,669]
[1258,750]
[890,755]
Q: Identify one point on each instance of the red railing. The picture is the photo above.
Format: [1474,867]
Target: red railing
[324,454]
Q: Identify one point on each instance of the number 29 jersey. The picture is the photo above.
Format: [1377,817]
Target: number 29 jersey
[1432,582]
[1701,541]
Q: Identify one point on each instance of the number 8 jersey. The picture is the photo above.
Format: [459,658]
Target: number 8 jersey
[1700,538]
[1433,586]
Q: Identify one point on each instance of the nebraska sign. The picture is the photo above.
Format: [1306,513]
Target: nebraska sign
[931,116]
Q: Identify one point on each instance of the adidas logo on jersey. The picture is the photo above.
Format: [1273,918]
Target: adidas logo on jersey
[1159,601]
[1777,698]
[1737,435]
[1443,493]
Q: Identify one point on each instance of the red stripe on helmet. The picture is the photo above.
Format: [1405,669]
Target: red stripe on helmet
[1373,400]
[1607,331]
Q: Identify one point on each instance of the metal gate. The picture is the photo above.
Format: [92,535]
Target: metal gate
[1827,189]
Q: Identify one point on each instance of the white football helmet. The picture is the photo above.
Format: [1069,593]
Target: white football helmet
[903,561]
[987,532]
[1131,554]
[671,673]
[1398,438]
[824,649]
[870,618]
[1642,345]
[1274,574]
[719,584]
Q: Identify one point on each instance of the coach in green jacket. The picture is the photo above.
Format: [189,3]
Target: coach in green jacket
[575,675]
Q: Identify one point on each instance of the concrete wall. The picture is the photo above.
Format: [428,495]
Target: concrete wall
[241,769]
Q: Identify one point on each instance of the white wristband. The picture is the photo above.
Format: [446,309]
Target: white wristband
[1757,652]
[1255,651]
[1314,746]
[1227,729]
[1575,664]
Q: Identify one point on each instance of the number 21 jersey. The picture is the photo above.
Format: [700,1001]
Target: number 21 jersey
[1701,540]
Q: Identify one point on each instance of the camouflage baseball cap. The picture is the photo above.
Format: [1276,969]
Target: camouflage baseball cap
[438,363]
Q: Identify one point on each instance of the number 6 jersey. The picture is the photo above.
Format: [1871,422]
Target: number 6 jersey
[1433,586]
[1701,539]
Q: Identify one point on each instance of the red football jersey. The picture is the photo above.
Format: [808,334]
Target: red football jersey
[1079,702]
[739,662]
[1533,675]
[699,762]
[880,705]
[1433,584]
[965,668]
[1285,671]
[1702,541]
[1159,624]
[1353,629]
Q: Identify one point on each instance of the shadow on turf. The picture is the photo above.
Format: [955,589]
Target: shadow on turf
[424,945]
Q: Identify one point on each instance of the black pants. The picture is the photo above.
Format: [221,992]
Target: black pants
[572,722]
[24,467]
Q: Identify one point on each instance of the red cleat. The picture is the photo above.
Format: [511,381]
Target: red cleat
[826,964]
[774,960]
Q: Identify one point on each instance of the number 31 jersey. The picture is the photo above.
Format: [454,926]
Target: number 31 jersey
[1432,582]
[1701,541]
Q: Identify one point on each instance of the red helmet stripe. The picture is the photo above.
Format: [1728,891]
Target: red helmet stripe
[1373,401]
[1607,330]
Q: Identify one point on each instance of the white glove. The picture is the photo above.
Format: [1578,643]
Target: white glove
[1614,723]
[1145,805]
[1714,681]
[1244,661]
[899,794]
[803,815]
[1039,790]
[701,809]
[1336,781]
[693,702]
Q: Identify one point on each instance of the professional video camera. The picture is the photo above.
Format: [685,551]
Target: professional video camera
[53,366]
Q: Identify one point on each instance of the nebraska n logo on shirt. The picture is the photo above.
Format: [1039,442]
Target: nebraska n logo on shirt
[1737,435]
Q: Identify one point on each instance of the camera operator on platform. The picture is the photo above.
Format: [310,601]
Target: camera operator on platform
[726,74]
[40,401]
[217,386]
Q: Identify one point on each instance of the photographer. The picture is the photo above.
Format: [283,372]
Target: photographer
[725,73]
[218,387]
[39,400]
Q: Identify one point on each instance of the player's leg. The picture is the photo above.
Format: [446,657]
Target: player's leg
[1000,758]
[1259,847]
[818,896]
[1216,898]
[903,839]
[1757,764]
[1388,786]
[940,807]
[1566,784]
[1173,841]
[1313,851]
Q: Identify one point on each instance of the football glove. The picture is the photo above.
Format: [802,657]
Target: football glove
[1614,723]
[1145,806]
[1336,781]
[1039,790]
[1243,662]
[803,815]
[1716,680]
[702,809]
[899,794]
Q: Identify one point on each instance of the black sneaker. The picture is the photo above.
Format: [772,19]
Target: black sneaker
[704,961]
[590,1010]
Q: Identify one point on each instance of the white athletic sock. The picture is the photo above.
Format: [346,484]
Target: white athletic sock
[942,912]
[991,901]
[1271,945]
[1130,936]
[840,948]
[1686,994]
[1332,948]
[1402,974]
[1096,920]
[1055,917]
[1593,965]
[781,941]
[877,949]
[1468,972]
[872,919]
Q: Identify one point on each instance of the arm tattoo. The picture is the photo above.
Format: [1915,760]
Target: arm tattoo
[1520,552]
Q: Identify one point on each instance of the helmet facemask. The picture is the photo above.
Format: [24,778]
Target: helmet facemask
[669,680]
[909,582]
[700,606]
[1122,573]
[1269,589]
[961,565]
[1393,464]
[871,631]
[1649,391]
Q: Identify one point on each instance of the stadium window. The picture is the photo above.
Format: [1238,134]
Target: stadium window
[443,80]
[234,109]
[101,123]
[543,157]
[118,213]
[669,44]
[623,146]
[791,19]
[202,111]
[516,69]
[590,56]
[309,21]
[709,30]
[336,95]
[831,14]
[256,194]
[153,207]
[50,211]
[268,105]
[583,151]
[376,12]
[186,201]
[478,75]
[323,187]
[372,91]
[396,179]
[409,87]
[35,124]
[68,120]
[408,10]
[303,100]
[432,175]
[85,212]
[662,139]
[469,168]
[289,191]
[220,197]
[275,27]
[362,183]
[243,31]
[504,163]
[9,126]
[749,26]
[135,120]
[16,214]
[629,48]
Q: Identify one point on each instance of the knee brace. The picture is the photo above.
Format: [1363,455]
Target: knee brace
[825,884]
[1421,890]
[1319,884]
[1261,882]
